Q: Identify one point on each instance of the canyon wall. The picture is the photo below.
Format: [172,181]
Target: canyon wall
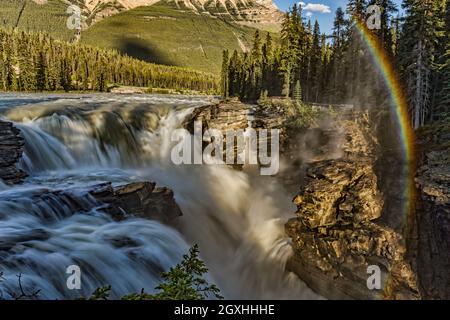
[433,210]
[339,233]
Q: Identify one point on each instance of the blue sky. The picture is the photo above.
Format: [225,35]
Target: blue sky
[322,10]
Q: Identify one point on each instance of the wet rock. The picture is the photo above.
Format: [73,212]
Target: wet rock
[143,199]
[11,149]
[139,199]
[338,232]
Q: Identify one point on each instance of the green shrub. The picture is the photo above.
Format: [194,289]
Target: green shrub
[185,281]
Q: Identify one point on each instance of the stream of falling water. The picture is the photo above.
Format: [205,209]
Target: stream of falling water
[73,142]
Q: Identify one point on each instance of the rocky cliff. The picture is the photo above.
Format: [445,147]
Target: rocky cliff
[339,230]
[11,149]
[433,210]
[228,115]
[255,13]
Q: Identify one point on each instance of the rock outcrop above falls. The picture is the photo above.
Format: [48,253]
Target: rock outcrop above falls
[11,149]
[338,233]
[227,115]
[433,211]
[139,199]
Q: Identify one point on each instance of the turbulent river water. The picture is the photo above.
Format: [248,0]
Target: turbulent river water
[76,141]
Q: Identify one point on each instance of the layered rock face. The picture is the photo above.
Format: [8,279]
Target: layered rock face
[228,115]
[231,115]
[255,13]
[11,149]
[433,211]
[338,233]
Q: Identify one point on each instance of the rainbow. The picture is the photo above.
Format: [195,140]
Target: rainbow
[399,107]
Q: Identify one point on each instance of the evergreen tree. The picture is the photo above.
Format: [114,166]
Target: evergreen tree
[315,63]
[337,82]
[384,34]
[417,55]
[225,75]
[443,105]
[30,62]
[40,72]
[297,92]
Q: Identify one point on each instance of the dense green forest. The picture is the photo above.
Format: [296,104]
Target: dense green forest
[165,34]
[162,33]
[338,69]
[29,16]
[36,62]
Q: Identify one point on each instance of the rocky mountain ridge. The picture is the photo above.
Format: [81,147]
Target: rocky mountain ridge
[254,13]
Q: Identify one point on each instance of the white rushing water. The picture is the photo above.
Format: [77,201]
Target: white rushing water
[73,142]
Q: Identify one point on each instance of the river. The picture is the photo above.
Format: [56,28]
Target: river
[76,141]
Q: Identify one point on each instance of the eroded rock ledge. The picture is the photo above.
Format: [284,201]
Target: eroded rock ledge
[140,199]
[228,115]
[337,233]
[11,149]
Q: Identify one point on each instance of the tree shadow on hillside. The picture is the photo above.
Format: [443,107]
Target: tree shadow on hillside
[142,50]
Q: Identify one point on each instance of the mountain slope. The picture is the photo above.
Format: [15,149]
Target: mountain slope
[167,35]
[255,13]
[166,32]
[262,14]
[50,17]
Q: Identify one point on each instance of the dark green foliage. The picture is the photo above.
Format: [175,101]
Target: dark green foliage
[442,106]
[36,62]
[185,281]
[343,71]
[420,47]
[101,293]
[300,58]
[225,82]
[297,92]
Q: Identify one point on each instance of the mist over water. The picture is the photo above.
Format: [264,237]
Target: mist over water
[74,142]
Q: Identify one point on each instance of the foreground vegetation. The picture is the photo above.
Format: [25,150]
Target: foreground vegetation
[36,62]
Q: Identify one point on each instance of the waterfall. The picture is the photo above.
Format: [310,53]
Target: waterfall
[237,218]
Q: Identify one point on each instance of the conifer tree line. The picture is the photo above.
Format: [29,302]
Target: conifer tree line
[36,62]
[338,68]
